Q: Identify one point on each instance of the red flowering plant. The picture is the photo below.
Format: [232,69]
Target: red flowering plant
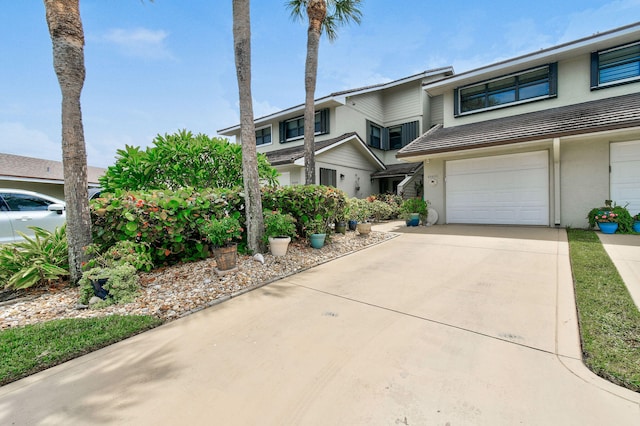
[607,217]
[222,232]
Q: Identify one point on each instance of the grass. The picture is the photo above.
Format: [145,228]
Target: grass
[29,349]
[609,320]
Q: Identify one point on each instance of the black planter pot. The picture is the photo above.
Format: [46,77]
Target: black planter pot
[98,290]
[352,225]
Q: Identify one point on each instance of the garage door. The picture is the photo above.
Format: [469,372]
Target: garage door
[625,175]
[505,189]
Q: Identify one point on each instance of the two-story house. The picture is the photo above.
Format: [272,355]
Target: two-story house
[358,133]
[539,139]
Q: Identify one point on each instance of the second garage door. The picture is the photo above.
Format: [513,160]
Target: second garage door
[505,189]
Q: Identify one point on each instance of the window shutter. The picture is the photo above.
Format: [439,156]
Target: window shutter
[324,121]
[368,127]
[594,70]
[409,132]
[283,131]
[456,103]
[384,143]
[553,79]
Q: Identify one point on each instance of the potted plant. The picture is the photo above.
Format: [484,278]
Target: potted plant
[413,210]
[279,228]
[316,230]
[341,220]
[607,222]
[636,223]
[223,234]
[361,211]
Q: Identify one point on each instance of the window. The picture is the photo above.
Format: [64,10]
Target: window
[25,202]
[294,128]
[328,177]
[535,84]
[390,138]
[615,66]
[263,136]
[374,135]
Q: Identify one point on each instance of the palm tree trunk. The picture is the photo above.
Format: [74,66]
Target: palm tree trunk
[67,37]
[317,11]
[253,200]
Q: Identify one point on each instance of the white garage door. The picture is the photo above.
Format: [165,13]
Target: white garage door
[625,175]
[505,189]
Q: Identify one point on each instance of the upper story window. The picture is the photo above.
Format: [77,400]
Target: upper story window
[263,136]
[526,86]
[615,66]
[293,129]
[393,137]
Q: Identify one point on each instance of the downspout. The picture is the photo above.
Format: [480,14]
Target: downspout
[556,180]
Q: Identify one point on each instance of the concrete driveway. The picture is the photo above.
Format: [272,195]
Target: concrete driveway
[447,325]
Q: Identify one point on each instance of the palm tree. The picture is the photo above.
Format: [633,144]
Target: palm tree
[325,16]
[253,200]
[67,37]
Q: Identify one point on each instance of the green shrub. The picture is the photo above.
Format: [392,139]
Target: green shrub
[381,210]
[182,160]
[36,260]
[393,200]
[414,205]
[278,224]
[307,203]
[169,222]
[136,254]
[359,209]
[123,284]
[222,232]
[625,220]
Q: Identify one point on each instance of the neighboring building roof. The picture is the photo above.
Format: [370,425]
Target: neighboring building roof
[595,42]
[295,154]
[17,167]
[339,98]
[589,117]
[398,170]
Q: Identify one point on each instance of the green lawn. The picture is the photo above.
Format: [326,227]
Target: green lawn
[27,350]
[609,320]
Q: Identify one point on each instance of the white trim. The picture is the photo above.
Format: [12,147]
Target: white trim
[300,161]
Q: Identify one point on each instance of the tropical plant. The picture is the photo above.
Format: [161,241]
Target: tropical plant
[414,205]
[35,260]
[67,38]
[278,224]
[137,254]
[622,216]
[317,225]
[360,209]
[120,281]
[608,217]
[325,16]
[253,200]
[222,232]
[181,160]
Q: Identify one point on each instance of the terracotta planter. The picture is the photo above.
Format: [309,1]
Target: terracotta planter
[364,228]
[226,257]
[279,245]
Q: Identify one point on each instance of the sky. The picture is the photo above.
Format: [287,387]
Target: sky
[158,67]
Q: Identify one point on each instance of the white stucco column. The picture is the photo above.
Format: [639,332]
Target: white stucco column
[556,180]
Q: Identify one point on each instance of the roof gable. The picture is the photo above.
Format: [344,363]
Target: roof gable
[295,154]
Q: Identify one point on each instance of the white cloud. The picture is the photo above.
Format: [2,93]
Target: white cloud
[606,17]
[20,140]
[140,42]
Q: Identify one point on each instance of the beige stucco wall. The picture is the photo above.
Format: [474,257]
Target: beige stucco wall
[573,87]
[584,179]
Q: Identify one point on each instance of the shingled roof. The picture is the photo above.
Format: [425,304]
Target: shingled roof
[29,168]
[290,155]
[395,170]
[589,117]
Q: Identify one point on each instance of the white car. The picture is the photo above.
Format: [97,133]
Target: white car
[20,209]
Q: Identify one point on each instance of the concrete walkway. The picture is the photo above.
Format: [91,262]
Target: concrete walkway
[624,251]
[441,326]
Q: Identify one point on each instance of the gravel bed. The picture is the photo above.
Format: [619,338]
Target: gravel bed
[176,291]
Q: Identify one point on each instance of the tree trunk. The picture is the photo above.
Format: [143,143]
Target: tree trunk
[253,200]
[67,37]
[317,11]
